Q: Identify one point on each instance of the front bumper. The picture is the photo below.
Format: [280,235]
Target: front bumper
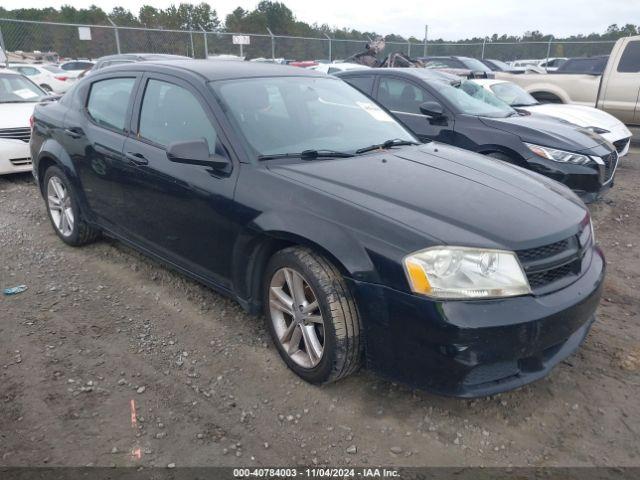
[587,181]
[14,157]
[476,348]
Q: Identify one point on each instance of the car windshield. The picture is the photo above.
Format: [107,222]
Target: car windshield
[471,99]
[53,69]
[475,65]
[513,95]
[500,64]
[295,114]
[17,89]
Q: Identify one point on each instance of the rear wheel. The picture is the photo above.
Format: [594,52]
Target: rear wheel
[312,316]
[62,207]
[46,88]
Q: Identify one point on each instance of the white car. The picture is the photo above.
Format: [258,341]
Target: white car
[331,68]
[49,77]
[73,68]
[595,120]
[18,97]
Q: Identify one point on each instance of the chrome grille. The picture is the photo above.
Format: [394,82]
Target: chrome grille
[621,144]
[609,167]
[23,134]
[20,162]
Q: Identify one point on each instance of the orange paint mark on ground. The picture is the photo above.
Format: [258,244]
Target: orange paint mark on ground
[134,419]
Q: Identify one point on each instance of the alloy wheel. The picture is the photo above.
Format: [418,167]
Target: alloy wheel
[60,207]
[296,317]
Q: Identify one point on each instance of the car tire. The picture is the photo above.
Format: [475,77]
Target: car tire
[320,344]
[46,88]
[62,208]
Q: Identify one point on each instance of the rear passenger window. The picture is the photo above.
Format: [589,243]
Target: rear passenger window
[364,84]
[630,60]
[108,102]
[400,96]
[171,113]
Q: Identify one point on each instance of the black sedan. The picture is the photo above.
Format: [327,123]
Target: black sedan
[463,114]
[298,196]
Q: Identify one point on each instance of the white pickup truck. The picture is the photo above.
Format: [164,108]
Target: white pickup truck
[616,91]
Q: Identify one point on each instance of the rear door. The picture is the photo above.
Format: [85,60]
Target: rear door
[182,212]
[622,85]
[94,133]
[403,98]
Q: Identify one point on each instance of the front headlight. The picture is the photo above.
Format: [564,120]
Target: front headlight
[462,273]
[558,155]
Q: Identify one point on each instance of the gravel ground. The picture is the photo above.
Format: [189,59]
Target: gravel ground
[111,359]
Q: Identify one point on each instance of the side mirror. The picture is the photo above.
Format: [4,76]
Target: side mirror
[432,109]
[195,152]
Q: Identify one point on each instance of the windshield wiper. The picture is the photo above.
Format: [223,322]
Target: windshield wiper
[307,155]
[386,145]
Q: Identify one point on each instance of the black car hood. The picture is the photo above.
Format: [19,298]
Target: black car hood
[449,195]
[547,131]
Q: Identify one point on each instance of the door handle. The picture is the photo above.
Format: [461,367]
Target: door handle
[74,132]
[137,158]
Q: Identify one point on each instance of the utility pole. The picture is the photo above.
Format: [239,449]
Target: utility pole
[206,47]
[549,49]
[426,36]
[273,44]
[329,38]
[115,29]
[3,49]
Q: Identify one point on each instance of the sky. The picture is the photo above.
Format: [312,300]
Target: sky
[449,20]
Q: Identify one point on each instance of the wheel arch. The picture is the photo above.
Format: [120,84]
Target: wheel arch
[489,149]
[252,255]
[52,153]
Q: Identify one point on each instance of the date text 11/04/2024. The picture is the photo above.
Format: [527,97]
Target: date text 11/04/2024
[327,472]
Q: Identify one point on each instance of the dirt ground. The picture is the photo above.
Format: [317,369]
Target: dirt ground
[103,332]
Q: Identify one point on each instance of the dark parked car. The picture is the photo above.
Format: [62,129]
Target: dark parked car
[500,66]
[298,196]
[584,65]
[476,68]
[463,114]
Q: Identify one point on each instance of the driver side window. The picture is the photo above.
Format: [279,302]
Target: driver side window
[401,96]
[171,113]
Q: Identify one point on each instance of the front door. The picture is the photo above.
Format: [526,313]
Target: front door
[182,212]
[403,99]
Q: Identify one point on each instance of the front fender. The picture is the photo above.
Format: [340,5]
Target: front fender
[272,230]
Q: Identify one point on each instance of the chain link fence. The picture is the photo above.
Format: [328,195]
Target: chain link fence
[93,41]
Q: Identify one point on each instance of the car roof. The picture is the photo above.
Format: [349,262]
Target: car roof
[424,74]
[139,56]
[220,70]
